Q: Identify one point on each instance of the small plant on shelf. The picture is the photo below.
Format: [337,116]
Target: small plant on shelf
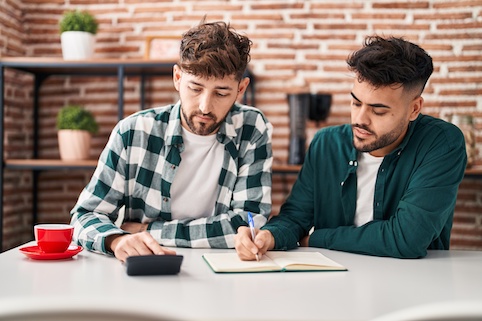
[77,20]
[77,29]
[77,118]
[76,126]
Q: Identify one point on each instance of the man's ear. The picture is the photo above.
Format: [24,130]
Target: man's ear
[416,108]
[243,85]
[176,76]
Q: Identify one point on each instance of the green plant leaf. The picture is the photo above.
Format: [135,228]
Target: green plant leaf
[77,20]
[76,117]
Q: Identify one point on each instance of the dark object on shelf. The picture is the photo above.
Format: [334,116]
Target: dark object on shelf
[304,106]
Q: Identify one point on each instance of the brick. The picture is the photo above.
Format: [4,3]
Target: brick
[378,16]
[401,5]
[393,26]
[217,7]
[339,26]
[256,16]
[336,5]
[276,6]
[456,4]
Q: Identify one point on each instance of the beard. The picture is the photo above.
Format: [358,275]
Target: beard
[380,141]
[201,128]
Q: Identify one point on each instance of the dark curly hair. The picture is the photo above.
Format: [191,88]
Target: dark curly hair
[392,61]
[214,50]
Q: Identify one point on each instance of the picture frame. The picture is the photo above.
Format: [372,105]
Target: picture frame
[162,47]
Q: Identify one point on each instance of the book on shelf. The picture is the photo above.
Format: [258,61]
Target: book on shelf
[272,261]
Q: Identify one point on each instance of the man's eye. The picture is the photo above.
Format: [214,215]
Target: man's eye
[356,103]
[195,89]
[221,95]
[378,113]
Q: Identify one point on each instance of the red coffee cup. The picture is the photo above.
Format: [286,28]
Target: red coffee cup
[53,238]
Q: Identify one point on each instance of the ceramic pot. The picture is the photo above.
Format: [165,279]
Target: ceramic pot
[74,144]
[77,45]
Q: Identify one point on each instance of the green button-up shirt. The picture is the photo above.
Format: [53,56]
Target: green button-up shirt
[415,194]
[139,163]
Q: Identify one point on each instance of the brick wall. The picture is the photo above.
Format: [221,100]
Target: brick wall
[299,46]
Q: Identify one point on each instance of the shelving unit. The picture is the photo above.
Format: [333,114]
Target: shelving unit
[43,68]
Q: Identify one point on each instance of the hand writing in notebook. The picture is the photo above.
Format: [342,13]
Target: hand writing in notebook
[247,249]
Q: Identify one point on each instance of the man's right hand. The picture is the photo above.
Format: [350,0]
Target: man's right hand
[135,244]
[246,249]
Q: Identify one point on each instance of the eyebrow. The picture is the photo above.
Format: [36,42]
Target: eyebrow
[217,87]
[371,105]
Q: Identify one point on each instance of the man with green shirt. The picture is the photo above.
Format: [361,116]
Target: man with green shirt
[186,174]
[384,185]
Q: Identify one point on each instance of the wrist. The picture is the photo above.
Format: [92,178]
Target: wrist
[111,241]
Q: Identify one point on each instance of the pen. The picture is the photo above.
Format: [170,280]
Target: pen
[251,227]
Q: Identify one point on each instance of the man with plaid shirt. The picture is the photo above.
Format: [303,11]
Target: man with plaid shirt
[185,174]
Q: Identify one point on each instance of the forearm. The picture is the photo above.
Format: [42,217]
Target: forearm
[212,232]
[371,239]
[407,234]
[91,231]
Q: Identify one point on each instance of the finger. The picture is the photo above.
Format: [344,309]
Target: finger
[131,245]
[244,245]
[121,255]
[166,251]
[153,247]
[263,241]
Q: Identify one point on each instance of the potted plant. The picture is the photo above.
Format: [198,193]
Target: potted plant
[75,128]
[77,30]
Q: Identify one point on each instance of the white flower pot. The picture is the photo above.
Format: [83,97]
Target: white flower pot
[77,45]
[74,144]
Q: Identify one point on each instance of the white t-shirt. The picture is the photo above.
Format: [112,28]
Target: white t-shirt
[366,174]
[195,186]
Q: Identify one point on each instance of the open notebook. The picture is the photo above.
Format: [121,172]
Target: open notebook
[272,261]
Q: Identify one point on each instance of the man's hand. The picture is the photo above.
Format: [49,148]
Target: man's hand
[305,241]
[247,250]
[142,243]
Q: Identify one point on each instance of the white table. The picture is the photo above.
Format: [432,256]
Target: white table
[372,287]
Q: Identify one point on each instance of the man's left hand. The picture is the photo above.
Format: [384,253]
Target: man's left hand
[305,241]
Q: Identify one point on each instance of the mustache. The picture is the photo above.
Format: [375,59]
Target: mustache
[198,113]
[364,127]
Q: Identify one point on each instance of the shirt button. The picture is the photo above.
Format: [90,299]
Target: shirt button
[342,183]
[378,204]
[350,163]
[383,169]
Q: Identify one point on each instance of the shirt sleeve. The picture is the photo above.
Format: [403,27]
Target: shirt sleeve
[251,192]
[98,205]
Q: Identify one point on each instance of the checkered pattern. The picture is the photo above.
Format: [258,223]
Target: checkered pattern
[139,163]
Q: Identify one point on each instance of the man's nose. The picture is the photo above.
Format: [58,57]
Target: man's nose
[206,104]
[361,116]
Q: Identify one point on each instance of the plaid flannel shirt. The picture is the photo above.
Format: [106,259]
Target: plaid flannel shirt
[139,163]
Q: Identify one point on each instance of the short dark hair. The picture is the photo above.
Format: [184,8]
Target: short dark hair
[391,61]
[214,50]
